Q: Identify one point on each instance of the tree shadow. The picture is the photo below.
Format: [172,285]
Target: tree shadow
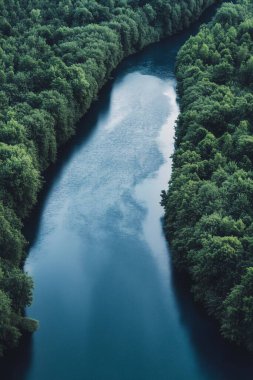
[219,358]
[16,363]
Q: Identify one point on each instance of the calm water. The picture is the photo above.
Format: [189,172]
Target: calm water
[109,305]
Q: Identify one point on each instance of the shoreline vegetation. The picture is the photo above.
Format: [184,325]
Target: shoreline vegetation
[54,58]
[208,207]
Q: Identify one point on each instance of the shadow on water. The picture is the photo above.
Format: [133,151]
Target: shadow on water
[16,364]
[218,357]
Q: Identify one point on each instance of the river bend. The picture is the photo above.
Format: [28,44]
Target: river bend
[109,305]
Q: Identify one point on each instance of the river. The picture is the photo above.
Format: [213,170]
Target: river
[109,303]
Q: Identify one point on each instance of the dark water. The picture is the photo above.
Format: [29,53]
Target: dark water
[109,304]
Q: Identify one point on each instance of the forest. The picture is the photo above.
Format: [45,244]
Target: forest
[54,58]
[209,214]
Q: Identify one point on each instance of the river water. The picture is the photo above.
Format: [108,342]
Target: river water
[109,305]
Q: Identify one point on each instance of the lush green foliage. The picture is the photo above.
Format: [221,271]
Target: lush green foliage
[209,213]
[54,58]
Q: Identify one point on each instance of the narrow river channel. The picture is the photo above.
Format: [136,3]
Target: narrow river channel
[109,305]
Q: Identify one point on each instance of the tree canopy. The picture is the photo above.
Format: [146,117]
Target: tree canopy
[209,214]
[54,58]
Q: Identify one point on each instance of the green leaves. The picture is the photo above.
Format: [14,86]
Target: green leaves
[18,286]
[55,56]
[19,179]
[12,242]
[9,334]
[208,208]
[237,317]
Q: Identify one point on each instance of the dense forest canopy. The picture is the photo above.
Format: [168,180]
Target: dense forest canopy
[54,58]
[209,213]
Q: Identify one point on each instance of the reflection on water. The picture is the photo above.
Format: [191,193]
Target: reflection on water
[109,305]
[148,191]
[215,355]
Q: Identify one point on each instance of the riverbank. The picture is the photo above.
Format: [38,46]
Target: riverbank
[54,64]
[208,205]
[108,301]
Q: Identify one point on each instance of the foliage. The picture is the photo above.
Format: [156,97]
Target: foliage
[209,215]
[54,58]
